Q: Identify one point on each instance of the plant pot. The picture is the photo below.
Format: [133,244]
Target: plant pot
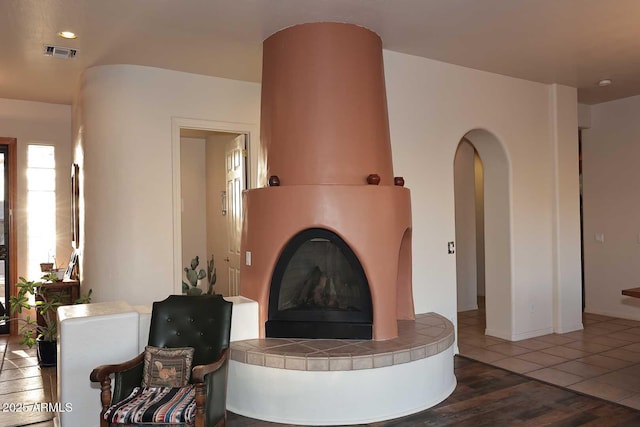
[46,267]
[47,352]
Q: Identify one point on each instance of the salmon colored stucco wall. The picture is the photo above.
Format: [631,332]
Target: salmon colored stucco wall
[324,129]
[372,220]
[324,106]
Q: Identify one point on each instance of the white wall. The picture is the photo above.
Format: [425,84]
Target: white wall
[432,105]
[566,224]
[479,194]
[584,116]
[610,155]
[123,135]
[124,130]
[465,217]
[40,123]
[194,201]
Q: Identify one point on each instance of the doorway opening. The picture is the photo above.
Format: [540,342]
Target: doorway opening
[8,249]
[482,218]
[213,175]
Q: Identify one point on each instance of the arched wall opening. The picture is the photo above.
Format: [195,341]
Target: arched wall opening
[483,229]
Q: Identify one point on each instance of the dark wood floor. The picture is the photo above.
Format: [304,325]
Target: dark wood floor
[490,396]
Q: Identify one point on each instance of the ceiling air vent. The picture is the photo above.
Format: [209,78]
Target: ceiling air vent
[59,52]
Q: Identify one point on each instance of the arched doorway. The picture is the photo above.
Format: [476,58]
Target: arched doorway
[483,229]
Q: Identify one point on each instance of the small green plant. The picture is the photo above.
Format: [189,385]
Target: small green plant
[50,277]
[194,275]
[211,276]
[46,305]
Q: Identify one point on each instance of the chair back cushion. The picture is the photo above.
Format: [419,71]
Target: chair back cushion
[201,321]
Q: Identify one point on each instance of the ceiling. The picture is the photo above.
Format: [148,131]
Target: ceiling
[570,42]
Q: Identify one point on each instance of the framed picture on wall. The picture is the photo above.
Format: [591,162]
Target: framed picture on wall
[71,274]
[75,210]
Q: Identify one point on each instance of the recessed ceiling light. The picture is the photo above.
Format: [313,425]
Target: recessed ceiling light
[604,82]
[68,35]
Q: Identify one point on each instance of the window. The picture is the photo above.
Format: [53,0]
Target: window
[41,207]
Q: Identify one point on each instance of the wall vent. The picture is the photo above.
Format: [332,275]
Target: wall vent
[60,52]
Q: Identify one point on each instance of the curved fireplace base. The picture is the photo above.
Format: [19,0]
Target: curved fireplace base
[292,382]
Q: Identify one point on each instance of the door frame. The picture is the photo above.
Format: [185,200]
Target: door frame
[12,144]
[177,123]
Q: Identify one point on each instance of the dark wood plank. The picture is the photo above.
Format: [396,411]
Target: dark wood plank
[490,396]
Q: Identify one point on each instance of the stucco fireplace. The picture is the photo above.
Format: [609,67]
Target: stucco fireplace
[327,247]
[332,205]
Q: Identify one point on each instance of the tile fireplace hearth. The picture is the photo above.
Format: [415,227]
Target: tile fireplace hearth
[341,382]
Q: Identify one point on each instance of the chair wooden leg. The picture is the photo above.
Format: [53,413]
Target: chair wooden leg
[200,398]
[105,399]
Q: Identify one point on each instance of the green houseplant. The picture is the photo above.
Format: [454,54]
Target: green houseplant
[194,275]
[43,334]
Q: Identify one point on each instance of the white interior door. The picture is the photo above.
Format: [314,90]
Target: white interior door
[235,155]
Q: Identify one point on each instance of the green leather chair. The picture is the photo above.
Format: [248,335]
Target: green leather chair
[202,322]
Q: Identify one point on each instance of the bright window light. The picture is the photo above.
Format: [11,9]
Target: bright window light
[41,207]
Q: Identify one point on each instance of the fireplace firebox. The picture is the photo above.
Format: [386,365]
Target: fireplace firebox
[319,290]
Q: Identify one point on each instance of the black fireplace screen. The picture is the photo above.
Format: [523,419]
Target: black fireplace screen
[319,290]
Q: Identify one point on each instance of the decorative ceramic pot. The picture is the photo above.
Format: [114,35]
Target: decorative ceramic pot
[47,352]
[274,181]
[373,179]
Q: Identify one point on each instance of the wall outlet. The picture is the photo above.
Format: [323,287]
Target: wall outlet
[599,237]
[451,248]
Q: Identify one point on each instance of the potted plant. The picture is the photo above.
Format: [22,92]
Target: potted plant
[194,276]
[43,334]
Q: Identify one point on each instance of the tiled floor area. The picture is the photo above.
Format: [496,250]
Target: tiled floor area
[23,382]
[602,360]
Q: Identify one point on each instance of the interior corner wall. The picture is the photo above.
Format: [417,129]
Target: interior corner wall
[432,105]
[124,129]
[40,123]
[611,207]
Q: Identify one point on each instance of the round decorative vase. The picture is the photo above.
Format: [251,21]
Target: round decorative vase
[47,352]
[274,181]
[373,179]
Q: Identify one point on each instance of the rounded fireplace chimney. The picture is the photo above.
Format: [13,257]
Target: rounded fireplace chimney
[324,109]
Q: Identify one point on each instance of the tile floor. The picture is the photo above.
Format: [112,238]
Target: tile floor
[22,383]
[603,360]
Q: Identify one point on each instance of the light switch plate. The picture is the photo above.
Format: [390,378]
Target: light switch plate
[247,258]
